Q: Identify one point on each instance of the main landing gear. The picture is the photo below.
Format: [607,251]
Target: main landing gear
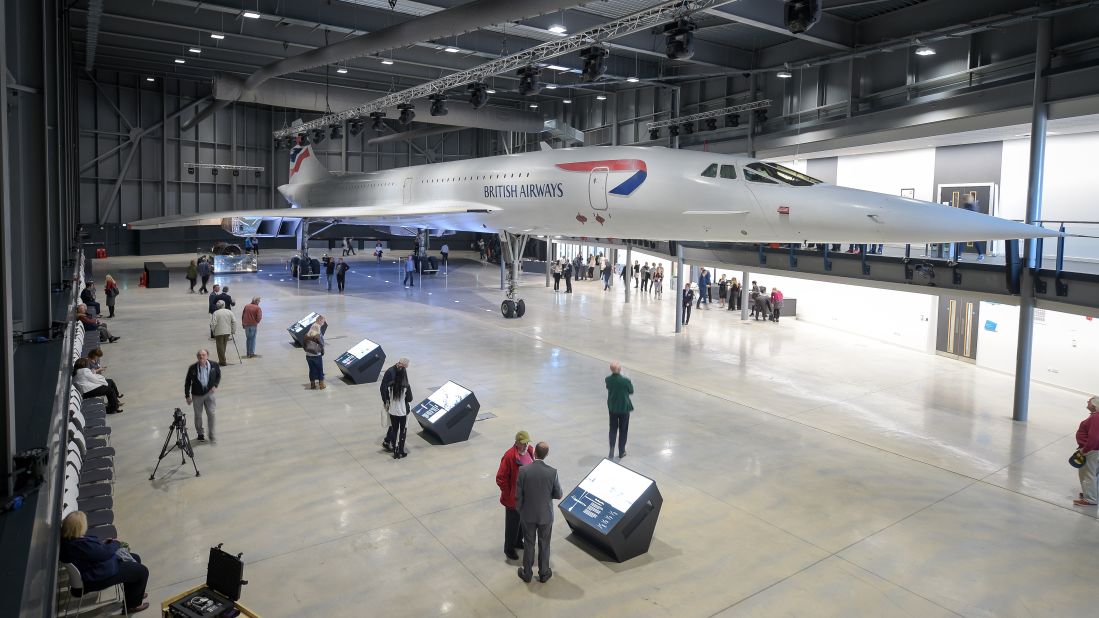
[512,246]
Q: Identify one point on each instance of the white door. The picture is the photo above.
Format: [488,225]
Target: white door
[407,190]
[597,188]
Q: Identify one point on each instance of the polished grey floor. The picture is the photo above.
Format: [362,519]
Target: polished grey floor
[804,472]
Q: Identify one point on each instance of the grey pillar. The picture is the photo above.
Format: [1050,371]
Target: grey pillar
[1033,213]
[7,352]
[678,288]
[752,117]
[549,258]
[744,289]
[629,269]
[503,260]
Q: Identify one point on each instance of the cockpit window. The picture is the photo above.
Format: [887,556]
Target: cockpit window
[728,171]
[710,172]
[773,173]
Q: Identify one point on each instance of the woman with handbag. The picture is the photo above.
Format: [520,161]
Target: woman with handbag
[110,290]
[313,344]
[396,395]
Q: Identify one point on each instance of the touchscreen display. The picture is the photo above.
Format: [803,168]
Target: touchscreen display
[441,401]
[605,495]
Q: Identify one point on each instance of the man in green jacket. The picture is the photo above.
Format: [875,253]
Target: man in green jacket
[619,389]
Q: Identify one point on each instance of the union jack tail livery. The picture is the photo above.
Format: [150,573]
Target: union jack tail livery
[304,166]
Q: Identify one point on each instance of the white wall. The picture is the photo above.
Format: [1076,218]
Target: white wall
[902,318]
[889,172]
[1063,352]
[1068,190]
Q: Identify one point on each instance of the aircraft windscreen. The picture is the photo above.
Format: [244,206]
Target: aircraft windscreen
[773,173]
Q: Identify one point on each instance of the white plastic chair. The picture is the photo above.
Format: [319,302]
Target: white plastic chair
[76,590]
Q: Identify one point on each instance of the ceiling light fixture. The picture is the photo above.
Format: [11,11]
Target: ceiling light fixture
[451,50]
[551,86]
[557,67]
[251,15]
[566,101]
[386,61]
[195,50]
[180,61]
[632,80]
[557,29]
[534,106]
[341,70]
[600,97]
[215,35]
[784,75]
[924,50]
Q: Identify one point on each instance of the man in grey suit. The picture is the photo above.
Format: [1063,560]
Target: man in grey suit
[535,492]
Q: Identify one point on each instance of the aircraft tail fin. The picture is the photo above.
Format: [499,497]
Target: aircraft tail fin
[304,166]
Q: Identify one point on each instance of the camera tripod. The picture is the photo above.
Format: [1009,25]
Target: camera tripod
[182,442]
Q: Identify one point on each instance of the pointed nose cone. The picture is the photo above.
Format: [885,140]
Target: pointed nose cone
[919,221]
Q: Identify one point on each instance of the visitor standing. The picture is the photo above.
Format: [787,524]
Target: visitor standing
[313,344]
[507,476]
[619,389]
[192,276]
[535,491]
[341,274]
[223,324]
[199,387]
[250,319]
[396,397]
[1087,442]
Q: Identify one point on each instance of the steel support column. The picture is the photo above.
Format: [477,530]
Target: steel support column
[549,258]
[744,291]
[1039,115]
[629,269]
[678,288]
[7,352]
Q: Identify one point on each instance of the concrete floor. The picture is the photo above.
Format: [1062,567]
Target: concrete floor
[804,472]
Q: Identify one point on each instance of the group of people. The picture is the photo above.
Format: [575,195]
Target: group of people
[763,304]
[528,486]
[88,378]
[336,269]
[202,268]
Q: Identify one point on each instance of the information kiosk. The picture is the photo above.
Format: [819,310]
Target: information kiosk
[362,363]
[614,509]
[298,329]
[448,413]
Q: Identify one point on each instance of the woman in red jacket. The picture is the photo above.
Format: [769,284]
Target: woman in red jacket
[520,454]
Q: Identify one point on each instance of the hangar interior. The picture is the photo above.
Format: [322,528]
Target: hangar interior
[897,447]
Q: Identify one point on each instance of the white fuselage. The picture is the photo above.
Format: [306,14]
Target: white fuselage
[643,193]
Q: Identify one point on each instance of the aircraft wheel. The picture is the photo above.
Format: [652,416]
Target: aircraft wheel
[508,308]
[520,308]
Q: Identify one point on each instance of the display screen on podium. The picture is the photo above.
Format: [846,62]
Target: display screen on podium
[441,401]
[304,323]
[607,492]
[358,352]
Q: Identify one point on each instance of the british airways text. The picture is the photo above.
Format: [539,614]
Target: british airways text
[528,190]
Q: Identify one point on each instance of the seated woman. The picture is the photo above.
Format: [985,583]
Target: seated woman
[91,384]
[92,323]
[99,564]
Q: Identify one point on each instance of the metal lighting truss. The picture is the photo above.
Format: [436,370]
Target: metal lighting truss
[642,20]
[214,166]
[714,113]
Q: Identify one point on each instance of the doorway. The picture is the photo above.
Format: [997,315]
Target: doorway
[984,193]
[957,331]
[597,188]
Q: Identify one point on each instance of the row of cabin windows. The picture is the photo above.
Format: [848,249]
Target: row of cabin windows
[469,178]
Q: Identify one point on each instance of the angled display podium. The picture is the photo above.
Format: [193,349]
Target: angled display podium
[298,329]
[362,363]
[614,509]
[448,413]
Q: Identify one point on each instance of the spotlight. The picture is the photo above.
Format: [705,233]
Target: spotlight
[214,171]
[679,39]
[318,136]
[595,63]
[654,134]
[673,130]
[800,15]
[334,131]
[688,127]
[354,127]
[528,80]
[438,104]
[478,95]
[732,121]
[257,173]
[711,124]
[236,172]
[377,124]
[761,115]
[191,170]
[408,113]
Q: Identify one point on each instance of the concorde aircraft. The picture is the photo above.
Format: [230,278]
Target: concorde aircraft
[615,192]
